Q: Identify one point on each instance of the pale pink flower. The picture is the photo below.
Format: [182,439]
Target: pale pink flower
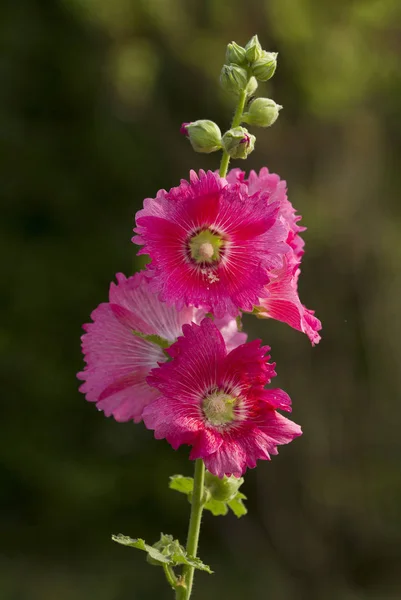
[119,359]
[211,243]
[216,402]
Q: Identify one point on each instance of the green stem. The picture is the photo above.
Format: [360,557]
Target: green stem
[184,592]
[171,578]
[225,159]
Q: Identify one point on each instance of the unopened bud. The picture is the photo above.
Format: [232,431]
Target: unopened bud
[224,489]
[233,79]
[238,142]
[164,542]
[253,49]
[262,112]
[235,54]
[251,87]
[264,67]
[204,135]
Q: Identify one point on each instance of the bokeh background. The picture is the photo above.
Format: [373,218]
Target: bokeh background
[92,95]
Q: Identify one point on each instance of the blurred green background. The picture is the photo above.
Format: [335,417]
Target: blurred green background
[92,96]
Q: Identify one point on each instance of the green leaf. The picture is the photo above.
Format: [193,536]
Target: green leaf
[141,545]
[166,550]
[237,506]
[185,559]
[216,507]
[182,484]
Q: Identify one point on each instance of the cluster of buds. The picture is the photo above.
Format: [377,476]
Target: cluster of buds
[243,63]
[244,67]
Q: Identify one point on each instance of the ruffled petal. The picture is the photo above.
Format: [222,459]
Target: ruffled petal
[194,370]
[201,369]
[247,365]
[170,421]
[281,302]
[254,240]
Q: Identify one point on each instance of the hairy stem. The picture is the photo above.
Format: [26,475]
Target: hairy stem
[225,159]
[171,578]
[183,592]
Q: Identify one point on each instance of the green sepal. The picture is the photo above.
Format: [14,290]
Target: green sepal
[185,485]
[219,508]
[216,507]
[153,338]
[259,312]
[237,506]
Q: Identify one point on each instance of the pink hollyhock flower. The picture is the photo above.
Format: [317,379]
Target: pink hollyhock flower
[282,302]
[274,190]
[125,341]
[211,243]
[215,402]
[280,299]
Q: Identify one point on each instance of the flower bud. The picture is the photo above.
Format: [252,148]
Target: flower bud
[238,142]
[262,112]
[253,49]
[162,546]
[204,135]
[233,79]
[264,67]
[251,87]
[224,489]
[235,54]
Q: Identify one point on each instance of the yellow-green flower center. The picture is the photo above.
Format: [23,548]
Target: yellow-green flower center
[218,408]
[205,247]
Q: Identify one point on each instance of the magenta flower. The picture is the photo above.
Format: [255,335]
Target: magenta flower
[211,243]
[120,346]
[281,302]
[280,299]
[274,190]
[215,402]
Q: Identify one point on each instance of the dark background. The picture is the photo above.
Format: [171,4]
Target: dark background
[92,96]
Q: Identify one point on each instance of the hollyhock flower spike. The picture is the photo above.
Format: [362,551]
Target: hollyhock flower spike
[216,402]
[167,348]
[126,340]
[211,243]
